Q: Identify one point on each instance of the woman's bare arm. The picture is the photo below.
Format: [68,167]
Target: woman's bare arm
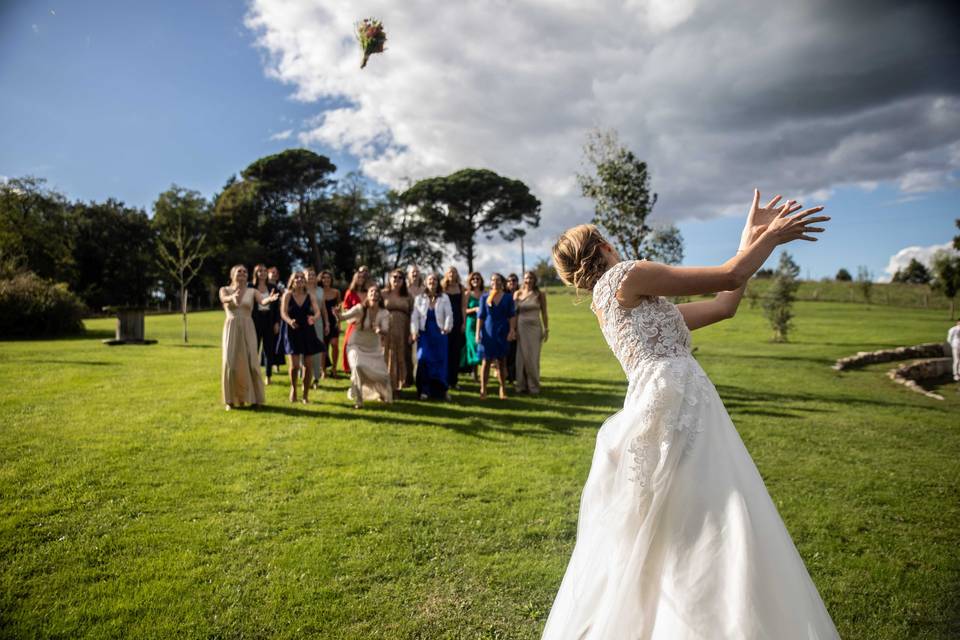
[655,279]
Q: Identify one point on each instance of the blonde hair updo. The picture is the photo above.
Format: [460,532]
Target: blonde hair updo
[577,256]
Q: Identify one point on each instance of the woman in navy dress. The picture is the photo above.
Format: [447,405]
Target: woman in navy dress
[496,327]
[298,338]
[266,320]
[430,323]
[331,300]
[455,339]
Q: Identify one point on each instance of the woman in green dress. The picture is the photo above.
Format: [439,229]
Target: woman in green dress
[470,359]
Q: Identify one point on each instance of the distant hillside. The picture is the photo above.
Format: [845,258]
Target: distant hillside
[914,296]
[895,294]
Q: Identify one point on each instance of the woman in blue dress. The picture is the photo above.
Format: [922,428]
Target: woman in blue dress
[431,321]
[298,337]
[496,327]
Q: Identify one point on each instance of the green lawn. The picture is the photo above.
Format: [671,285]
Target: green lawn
[132,505]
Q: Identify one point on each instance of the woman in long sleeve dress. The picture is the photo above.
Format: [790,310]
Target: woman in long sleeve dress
[369,379]
[455,339]
[298,338]
[240,379]
[531,305]
[496,327]
[677,537]
[430,324]
[470,359]
[399,304]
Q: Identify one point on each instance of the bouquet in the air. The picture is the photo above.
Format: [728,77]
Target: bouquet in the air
[372,37]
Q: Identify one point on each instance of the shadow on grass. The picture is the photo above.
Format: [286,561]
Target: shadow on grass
[87,363]
[736,398]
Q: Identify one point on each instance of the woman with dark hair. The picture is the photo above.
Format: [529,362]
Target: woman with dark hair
[455,339]
[298,338]
[470,359]
[513,285]
[430,323]
[266,320]
[240,373]
[331,301]
[531,305]
[354,296]
[369,379]
[496,327]
[399,304]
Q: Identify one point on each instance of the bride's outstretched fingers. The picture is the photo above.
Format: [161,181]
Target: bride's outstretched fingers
[790,225]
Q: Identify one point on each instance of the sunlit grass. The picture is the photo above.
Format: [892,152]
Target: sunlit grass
[132,505]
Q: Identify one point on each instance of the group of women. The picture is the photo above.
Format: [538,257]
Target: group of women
[416,331]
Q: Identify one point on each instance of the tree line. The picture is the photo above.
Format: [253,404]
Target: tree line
[286,210]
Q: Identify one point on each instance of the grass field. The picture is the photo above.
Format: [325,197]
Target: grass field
[132,505]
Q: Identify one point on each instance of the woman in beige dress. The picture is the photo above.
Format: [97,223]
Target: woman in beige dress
[240,374]
[369,379]
[531,304]
[399,304]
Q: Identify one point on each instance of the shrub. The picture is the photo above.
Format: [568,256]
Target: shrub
[778,305]
[35,307]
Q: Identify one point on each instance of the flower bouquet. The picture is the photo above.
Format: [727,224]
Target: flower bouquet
[372,37]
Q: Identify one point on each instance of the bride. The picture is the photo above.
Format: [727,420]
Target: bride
[677,537]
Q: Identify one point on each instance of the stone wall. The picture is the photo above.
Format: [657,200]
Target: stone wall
[911,374]
[863,358]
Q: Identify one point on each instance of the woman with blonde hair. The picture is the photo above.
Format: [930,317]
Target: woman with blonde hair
[532,332]
[396,347]
[677,536]
[470,359]
[451,286]
[322,326]
[240,380]
[298,337]
[430,325]
[496,328]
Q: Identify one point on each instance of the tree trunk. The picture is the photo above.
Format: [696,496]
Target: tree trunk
[183,308]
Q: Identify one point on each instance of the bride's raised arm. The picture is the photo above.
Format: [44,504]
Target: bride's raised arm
[766,228]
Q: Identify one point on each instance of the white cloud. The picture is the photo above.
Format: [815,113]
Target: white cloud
[902,258]
[798,97]
[282,135]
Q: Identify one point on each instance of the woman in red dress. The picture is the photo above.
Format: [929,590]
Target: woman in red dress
[354,295]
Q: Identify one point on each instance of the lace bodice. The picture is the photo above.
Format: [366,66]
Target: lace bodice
[653,330]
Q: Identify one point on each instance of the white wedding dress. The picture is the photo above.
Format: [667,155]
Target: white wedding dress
[678,538]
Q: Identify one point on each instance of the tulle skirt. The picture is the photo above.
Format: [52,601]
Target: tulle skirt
[678,538]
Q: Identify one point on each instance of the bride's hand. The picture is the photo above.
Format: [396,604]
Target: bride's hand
[785,227]
[758,218]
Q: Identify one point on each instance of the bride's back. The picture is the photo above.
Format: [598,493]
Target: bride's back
[653,330]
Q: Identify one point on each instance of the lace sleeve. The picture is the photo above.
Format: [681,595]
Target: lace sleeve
[605,291]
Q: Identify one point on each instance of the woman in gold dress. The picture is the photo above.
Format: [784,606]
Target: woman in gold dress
[240,372]
[531,305]
[399,303]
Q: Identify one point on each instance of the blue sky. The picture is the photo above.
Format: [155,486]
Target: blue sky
[105,100]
